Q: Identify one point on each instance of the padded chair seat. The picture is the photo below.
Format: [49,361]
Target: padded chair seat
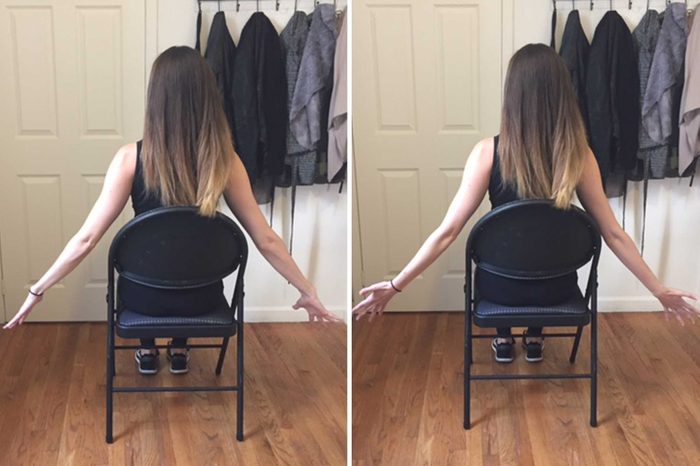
[573,312]
[217,323]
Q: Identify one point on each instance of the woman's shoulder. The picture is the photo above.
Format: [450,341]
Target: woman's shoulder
[125,158]
[484,151]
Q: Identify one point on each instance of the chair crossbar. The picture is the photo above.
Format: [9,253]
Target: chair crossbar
[205,388]
[127,347]
[529,376]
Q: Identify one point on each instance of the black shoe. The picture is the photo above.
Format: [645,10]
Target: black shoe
[178,361]
[533,349]
[147,362]
[503,351]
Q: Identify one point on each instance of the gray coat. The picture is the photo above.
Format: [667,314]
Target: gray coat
[652,154]
[308,115]
[661,101]
[293,39]
[689,141]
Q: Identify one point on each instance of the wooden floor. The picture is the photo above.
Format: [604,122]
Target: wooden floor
[407,396]
[52,401]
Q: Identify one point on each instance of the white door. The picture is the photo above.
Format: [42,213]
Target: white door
[426,88]
[72,93]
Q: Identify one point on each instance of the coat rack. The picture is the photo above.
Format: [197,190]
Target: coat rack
[257,4]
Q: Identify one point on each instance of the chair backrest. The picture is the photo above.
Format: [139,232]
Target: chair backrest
[531,239]
[175,248]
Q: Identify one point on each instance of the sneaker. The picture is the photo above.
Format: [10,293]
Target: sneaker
[533,349]
[503,351]
[178,361]
[147,362]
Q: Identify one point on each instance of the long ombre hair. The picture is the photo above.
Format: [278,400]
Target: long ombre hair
[187,144]
[543,141]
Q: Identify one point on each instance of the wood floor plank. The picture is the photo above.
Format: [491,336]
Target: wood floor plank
[52,390]
[407,396]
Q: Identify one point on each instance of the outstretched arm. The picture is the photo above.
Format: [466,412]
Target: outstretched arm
[239,197]
[475,182]
[590,193]
[115,193]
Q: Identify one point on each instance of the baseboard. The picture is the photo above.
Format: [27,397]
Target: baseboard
[253,314]
[284,314]
[629,304]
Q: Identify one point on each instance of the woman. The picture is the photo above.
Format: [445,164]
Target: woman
[541,153]
[186,158]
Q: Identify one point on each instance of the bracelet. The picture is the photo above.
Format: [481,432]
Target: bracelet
[38,295]
[393,286]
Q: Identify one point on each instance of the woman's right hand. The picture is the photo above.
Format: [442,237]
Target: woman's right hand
[315,308]
[673,303]
[376,297]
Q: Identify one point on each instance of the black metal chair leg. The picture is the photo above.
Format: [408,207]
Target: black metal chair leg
[110,376]
[222,355]
[594,369]
[577,339]
[239,374]
[467,388]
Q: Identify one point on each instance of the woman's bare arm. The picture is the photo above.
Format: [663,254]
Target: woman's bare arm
[475,182]
[115,192]
[239,197]
[590,193]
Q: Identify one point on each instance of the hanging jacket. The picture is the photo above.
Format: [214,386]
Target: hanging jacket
[308,116]
[651,155]
[662,97]
[220,55]
[338,115]
[689,137]
[612,96]
[298,158]
[574,51]
[260,99]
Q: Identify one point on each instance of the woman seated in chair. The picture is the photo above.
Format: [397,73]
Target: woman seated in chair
[540,153]
[186,158]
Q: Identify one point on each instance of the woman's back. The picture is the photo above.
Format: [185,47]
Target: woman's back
[154,301]
[507,291]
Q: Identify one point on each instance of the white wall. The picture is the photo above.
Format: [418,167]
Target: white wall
[320,236]
[673,209]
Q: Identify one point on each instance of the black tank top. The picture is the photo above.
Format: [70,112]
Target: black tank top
[512,292]
[154,301]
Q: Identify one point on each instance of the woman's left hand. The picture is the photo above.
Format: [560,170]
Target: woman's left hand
[315,308]
[674,304]
[18,319]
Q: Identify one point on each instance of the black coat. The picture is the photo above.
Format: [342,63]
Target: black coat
[574,51]
[220,55]
[612,94]
[260,103]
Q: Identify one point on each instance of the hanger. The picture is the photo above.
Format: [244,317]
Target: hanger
[257,5]
[610,9]
[647,5]
[573,5]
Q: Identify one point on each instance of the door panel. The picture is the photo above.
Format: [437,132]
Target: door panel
[74,94]
[426,89]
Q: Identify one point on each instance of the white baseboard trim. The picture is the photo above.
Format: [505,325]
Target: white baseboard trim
[629,304]
[284,314]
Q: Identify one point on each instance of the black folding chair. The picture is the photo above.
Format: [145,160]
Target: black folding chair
[530,240]
[175,248]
